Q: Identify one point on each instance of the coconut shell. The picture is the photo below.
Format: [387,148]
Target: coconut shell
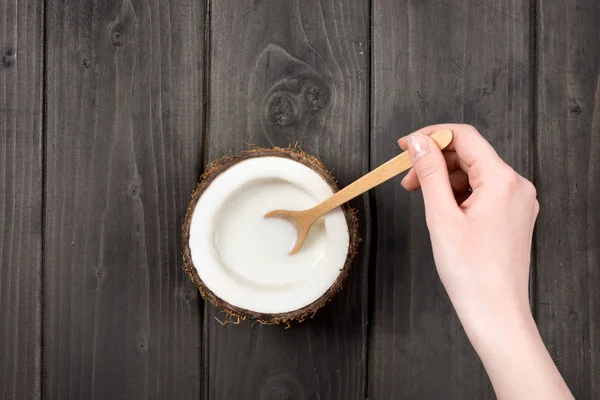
[213,170]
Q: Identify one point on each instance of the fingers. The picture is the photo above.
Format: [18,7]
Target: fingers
[430,169]
[467,142]
[410,181]
[461,198]
[459,181]
[460,185]
[453,161]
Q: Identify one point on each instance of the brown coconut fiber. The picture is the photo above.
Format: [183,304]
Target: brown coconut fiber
[236,314]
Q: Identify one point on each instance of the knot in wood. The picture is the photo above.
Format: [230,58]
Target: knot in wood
[142,344]
[315,96]
[134,189]
[281,110]
[575,108]
[122,30]
[116,37]
[8,58]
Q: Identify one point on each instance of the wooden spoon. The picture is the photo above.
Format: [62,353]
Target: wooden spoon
[303,220]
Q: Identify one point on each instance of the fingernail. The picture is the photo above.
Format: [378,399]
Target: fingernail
[402,181]
[417,145]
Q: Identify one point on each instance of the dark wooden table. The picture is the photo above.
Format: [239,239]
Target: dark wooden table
[110,109]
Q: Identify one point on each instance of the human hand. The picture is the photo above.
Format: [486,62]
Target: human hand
[481,214]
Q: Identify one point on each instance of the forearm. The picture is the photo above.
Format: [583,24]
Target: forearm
[515,357]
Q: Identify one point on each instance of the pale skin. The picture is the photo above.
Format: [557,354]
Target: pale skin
[481,214]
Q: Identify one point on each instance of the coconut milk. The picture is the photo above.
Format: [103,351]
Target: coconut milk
[257,248]
[243,258]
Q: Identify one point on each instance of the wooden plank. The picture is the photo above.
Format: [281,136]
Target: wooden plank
[21,69]
[568,181]
[124,112]
[257,49]
[461,61]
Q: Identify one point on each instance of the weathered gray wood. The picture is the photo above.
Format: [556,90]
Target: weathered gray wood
[460,61]
[568,182]
[275,53]
[124,122]
[21,69]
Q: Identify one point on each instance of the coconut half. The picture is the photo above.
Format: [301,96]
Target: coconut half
[240,260]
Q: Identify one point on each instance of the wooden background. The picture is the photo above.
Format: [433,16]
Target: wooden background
[110,109]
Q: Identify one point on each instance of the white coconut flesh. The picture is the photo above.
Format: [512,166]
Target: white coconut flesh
[243,258]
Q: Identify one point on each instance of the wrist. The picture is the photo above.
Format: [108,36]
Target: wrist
[481,317]
[497,326]
[514,355]
[501,331]
[480,309]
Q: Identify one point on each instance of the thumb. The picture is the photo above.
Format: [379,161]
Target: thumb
[430,167]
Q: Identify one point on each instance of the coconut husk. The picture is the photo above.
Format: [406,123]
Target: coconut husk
[233,313]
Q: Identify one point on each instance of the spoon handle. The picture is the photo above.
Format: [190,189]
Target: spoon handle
[379,175]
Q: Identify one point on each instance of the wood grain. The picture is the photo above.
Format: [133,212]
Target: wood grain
[122,150]
[124,119]
[568,182]
[462,61]
[21,69]
[284,72]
